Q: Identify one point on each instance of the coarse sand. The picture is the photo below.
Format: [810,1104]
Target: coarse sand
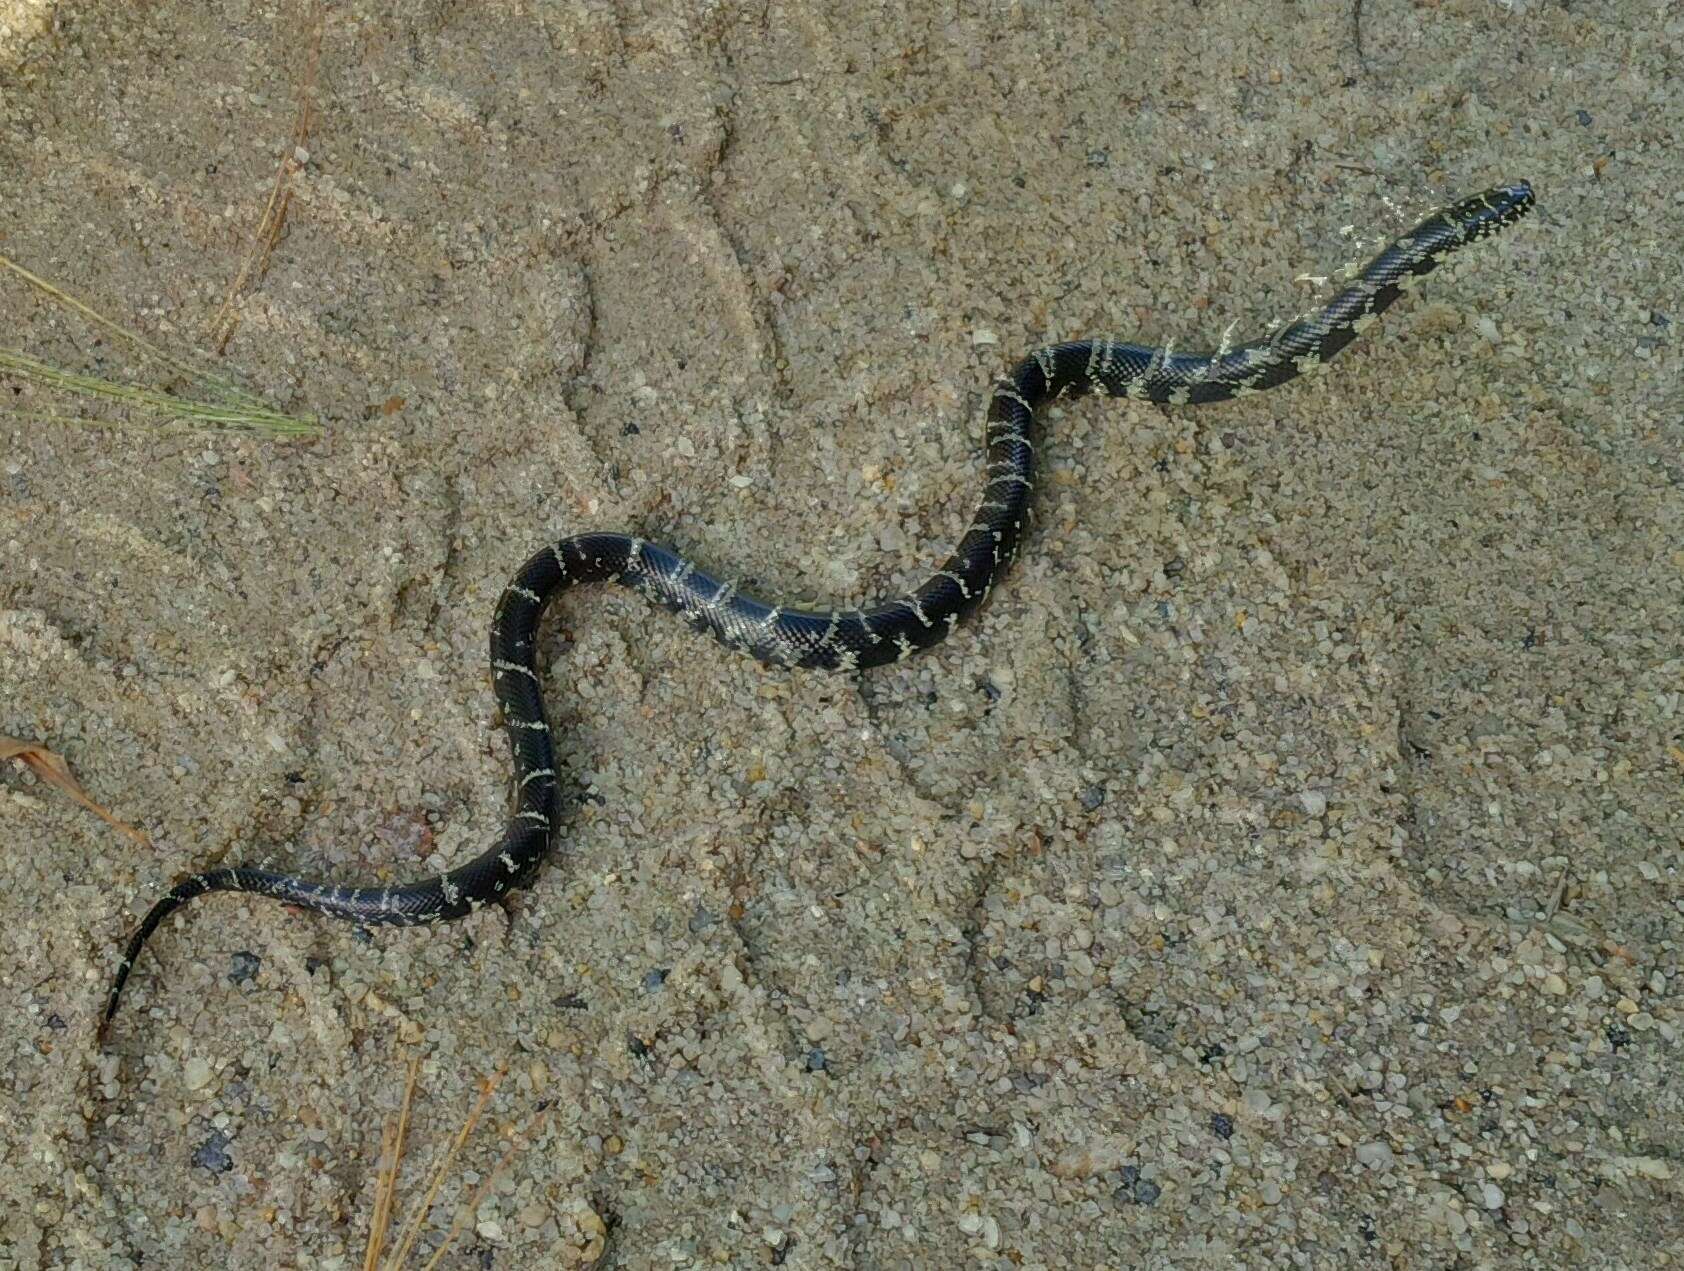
[1284,869]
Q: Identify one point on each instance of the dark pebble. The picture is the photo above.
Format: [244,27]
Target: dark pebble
[213,1154]
[1222,1125]
[1093,797]
[701,920]
[653,981]
[1136,1190]
[815,1060]
[1584,117]
[243,967]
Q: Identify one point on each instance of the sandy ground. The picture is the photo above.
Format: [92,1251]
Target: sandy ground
[1285,868]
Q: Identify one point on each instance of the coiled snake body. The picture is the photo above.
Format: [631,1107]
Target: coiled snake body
[839,640]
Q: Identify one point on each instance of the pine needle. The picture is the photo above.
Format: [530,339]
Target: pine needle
[250,415]
[393,1138]
[199,375]
[226,407]
[472,1207]
[391,1154]
[273,220]
[412,1229]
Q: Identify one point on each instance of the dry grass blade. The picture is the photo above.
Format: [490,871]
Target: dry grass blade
[392,1141]
[385,1183]
[51,767]
[270,224]
[226,405]
[233,392]
[412,1228]
[472,1207]
[391,1154]
[246,417]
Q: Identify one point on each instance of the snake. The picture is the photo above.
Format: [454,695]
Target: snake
[844,640]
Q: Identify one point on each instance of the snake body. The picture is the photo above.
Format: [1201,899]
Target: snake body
[839,640]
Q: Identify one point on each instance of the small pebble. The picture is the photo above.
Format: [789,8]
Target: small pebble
[1377,1156]
[701,920]
[243,967]
[212,1154]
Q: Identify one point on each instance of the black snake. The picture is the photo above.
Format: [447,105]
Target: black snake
[840,640]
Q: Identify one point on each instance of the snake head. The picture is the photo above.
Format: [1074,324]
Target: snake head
[1489,212]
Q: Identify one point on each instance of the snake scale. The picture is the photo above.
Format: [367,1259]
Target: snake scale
[839,640]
